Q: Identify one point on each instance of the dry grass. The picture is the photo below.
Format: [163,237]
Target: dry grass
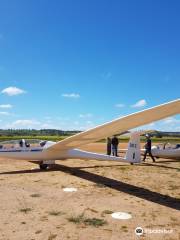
[35,195]
[25,210]
[56,213]
[52,236]
[95,222]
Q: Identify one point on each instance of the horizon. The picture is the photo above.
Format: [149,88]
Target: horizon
[75,130]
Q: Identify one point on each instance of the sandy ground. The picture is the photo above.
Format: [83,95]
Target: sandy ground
[33,204]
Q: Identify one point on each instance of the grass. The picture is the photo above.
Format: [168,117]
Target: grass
[143,214]
[106,212]
[124,228]
[77,219]
[48,138]
[59,138]
[56,213]
[44,218]
[174,219]
[52,236]
[173,187]
[92,210]
[95,222]
[35,195]
[25,210]
[80,219]
[100,185]
[124,168]
[153,215]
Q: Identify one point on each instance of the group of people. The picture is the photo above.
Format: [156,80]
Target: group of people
[112,147]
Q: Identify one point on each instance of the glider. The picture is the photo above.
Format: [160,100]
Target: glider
[168,151]
[46,152]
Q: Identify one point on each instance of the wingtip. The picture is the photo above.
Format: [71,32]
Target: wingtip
[176,100]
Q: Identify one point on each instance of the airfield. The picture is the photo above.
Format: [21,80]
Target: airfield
[33,205]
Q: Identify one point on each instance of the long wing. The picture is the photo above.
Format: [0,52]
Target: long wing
[119,125]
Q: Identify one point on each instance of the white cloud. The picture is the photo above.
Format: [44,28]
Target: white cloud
[12,91]
[139,104]
[4,113]
[120,105]
[71,95]
[24,123]
[171,120]
[150,126]
[6,106]
[47,125]
[170,124]
[87,125]
[87,115]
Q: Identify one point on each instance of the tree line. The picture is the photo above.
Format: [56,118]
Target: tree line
[56,132]
[34,132]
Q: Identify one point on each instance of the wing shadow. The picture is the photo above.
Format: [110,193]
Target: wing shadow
[120,186]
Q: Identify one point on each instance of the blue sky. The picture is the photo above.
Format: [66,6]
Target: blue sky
[74,64]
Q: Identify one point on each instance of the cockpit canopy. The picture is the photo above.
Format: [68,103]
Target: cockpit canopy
[168,146]
[22,143]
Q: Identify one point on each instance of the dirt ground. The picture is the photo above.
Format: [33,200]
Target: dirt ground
[33,205]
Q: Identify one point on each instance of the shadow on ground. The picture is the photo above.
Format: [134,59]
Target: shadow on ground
[120,186]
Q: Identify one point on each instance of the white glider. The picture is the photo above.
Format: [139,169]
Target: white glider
[47,152]
[170,151]
[162,151]
[166,151]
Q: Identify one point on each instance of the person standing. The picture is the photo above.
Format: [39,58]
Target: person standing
[114,144]
[148,148]
[108,146]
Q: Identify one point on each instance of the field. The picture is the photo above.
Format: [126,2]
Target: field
[59,138]
[33,205]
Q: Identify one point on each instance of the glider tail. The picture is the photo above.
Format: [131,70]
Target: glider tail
[133,153]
